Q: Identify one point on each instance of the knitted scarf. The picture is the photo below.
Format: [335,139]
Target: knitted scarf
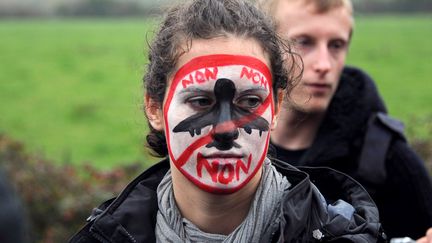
[261,221]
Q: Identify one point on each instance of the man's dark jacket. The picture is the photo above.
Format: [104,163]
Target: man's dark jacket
[131,217]
[404,196]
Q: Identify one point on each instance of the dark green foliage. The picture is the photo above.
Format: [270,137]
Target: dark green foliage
[420,134]
[58,198]
[424,149]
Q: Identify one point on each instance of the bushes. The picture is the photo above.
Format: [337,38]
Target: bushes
[420,132]
[58,198]
[424,149]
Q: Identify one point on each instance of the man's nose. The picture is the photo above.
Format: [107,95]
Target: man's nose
[322,62]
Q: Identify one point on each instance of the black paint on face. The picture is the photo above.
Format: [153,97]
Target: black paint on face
[224,110]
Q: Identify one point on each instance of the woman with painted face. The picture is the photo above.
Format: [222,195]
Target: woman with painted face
[215,82]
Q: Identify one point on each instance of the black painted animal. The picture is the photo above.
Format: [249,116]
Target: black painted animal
[222,111]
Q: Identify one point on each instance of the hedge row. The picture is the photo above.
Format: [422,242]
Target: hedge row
[57,198]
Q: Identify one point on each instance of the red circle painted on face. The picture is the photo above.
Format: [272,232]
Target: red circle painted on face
[226,172]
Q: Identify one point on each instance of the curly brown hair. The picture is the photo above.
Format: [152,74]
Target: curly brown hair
[207,19]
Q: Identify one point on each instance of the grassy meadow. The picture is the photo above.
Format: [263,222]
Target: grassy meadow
[396,51]
[72,90]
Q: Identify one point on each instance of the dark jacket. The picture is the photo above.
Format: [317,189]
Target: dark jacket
[131,217]
[404,197]
[13,227]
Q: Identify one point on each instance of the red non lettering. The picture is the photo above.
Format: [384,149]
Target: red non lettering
[211,74]
[263,82]
[226,174]
[212,168]
[246,72]
[222,173]
[255,77]
[186,82]
[200,77]
[243,167]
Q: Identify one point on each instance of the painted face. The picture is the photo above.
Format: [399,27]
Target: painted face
[218,111]
[322,40]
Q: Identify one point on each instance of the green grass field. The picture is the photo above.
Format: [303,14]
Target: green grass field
[396,52]
[72,89]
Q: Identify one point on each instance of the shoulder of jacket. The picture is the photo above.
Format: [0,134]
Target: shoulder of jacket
[357,74]
[83,236]
[109,206]
[391,123]
[341,200]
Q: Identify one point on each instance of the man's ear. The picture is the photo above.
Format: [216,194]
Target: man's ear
[154,113]
[278,106]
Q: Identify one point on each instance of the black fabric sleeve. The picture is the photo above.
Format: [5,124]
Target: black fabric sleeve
[405,201]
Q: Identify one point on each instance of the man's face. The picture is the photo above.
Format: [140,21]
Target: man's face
[217,114]
[322,39]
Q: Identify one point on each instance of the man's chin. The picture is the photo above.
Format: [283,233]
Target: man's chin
[311,109]
[309,104]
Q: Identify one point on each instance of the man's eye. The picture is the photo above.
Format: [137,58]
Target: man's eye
[249,102]
[200,102]
[337,45]
[303,42]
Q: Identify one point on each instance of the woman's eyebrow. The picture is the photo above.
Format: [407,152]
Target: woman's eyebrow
[194,89]
[245,90]
[253,89]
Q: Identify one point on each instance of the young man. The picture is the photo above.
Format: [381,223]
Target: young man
[337,118]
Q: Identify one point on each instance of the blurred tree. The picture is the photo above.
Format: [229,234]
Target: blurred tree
[145,7]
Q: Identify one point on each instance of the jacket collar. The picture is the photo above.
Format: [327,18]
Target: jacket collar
[131,217]
[316,214]
[354,101]
[126,219]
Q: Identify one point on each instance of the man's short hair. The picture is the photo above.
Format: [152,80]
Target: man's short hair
[321,6]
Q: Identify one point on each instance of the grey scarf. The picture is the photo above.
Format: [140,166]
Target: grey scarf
[258,226]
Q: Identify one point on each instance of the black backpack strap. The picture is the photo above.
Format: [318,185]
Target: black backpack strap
[380,130]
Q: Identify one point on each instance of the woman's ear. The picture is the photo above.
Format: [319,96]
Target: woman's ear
[154,113]
[278,105]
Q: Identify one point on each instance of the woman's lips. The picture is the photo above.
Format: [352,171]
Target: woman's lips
[223,156]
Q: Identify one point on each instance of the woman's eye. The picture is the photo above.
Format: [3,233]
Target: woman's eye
[249,102]
[200,102]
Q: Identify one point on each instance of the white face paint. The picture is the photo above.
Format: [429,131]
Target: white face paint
[218,113]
